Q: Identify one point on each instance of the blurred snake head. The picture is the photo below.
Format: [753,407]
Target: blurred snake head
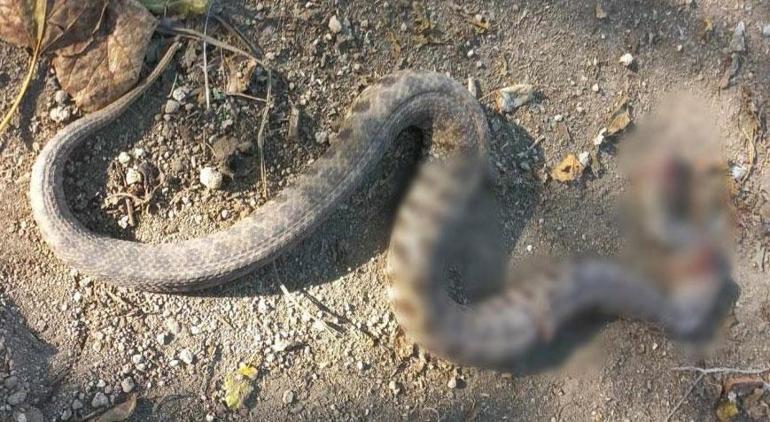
[677,211]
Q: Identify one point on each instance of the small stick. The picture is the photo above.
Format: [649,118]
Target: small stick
[302,309]
[205,61]
[687,394]
[130,212]
[706,371]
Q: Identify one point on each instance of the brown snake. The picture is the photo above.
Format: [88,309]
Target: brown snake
[486,333]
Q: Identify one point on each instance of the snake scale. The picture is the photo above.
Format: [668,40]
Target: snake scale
[494,330]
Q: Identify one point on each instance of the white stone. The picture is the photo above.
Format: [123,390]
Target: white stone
[211,178]
[627,59]
[133,177]
[334,25]
[127,385]
[124,158]
[172,107]
[186,356]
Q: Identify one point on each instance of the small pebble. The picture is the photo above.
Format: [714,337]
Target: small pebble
[60,97]
[766,30]
[186,356]
[127,385]
[288,397]
[172,106]
[100,400]
[66,414]
[179,93]
[321,137]
[627,59]
[162,338]
[17,398]
[334,25]
[595,88]
[60,114]
[211,178]
[124,158]
[453,383]
[133,177]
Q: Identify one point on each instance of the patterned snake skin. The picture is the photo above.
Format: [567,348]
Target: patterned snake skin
[497,329]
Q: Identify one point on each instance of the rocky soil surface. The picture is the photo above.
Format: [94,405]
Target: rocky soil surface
[312,337]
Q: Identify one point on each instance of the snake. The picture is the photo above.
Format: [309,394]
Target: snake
[487,332]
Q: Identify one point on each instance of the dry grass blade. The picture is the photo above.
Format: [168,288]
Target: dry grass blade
[40,11]
[205,59]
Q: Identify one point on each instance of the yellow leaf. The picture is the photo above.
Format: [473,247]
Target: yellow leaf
[237,385]
[40,8]
[568,170]
[726,410]
[248,371]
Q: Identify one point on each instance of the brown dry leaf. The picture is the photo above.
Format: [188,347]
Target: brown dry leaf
[619,120]
[66,21]
[568,170]
[240,71]
[17,25]
[95,73]
[120,412]
[70,22]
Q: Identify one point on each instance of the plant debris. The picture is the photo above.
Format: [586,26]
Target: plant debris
[512,97]
[96,72]
[181,7]
[237,385]
[569,169]
[119,412]
[619,120]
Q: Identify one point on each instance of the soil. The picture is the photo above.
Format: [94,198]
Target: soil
[67,340]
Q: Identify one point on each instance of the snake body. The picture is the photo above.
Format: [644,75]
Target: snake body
[483,334]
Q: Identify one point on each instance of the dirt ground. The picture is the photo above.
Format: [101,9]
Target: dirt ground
[72,346]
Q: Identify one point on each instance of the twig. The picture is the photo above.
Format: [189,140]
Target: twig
[687,394]
[205,61]
[247,96]
[302,309]
[708,371]
[237,32]
[168,28]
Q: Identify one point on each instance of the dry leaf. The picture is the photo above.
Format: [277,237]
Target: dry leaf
[619,120]
[70,22]
[119,412]
[67,22]
[238,386]
[109,65]
[240,71]
[17,25]
[568,170]
[514,96]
